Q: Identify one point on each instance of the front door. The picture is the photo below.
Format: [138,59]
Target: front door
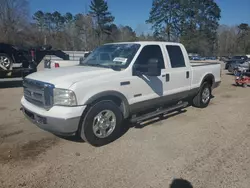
[147,90]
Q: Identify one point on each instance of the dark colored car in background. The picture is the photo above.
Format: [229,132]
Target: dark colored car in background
[235,60]
[234,67]
[224,58]
[211,58]
[24,60]
[197,58]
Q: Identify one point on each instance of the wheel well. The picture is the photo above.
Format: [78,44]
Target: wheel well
[119,102]
[209,79]
[8,54]
[4,52]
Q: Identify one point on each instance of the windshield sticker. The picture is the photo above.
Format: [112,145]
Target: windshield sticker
[121,60]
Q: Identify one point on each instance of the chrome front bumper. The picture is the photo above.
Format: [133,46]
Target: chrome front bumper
[59,126]
[58,120]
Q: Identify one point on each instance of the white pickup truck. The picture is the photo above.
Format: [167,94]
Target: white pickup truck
[132,81]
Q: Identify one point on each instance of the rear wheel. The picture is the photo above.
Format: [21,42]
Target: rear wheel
[202,99]
[102,123]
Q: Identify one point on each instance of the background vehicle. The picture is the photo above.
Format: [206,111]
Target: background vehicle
[197,58]
[235,60]
[50,64]
[21,61]
[132,81]
[224,58]
[211,58]
[234,66]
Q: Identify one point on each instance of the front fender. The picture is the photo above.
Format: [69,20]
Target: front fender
[110,93]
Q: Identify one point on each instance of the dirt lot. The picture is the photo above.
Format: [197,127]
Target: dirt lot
[209,148]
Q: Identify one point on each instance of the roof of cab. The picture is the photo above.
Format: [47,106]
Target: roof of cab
[148,42]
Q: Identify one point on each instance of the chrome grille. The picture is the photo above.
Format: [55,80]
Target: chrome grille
[38,93]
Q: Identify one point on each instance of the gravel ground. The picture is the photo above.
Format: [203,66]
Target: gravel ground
[209,148]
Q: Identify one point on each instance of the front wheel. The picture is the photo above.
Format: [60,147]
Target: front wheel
[202,99]
[102,123]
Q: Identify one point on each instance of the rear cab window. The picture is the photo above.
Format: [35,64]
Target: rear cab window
[176,56]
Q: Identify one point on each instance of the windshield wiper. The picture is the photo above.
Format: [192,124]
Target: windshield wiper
[116,68]
[93,65]
[103,66]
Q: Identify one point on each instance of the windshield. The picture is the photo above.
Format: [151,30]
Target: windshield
[112,55]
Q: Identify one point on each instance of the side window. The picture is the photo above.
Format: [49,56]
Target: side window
[148,52]
[176,56]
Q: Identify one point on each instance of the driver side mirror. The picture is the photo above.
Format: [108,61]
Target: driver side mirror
[150,69]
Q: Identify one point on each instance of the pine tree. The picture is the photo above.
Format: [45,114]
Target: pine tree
[103,18]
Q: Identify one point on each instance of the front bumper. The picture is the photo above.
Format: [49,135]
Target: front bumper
[58,120]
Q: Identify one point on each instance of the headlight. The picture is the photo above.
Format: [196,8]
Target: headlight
[64,97]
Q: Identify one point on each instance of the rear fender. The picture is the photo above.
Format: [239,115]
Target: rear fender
[208,78]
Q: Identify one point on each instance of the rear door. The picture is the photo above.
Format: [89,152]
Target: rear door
[179,74]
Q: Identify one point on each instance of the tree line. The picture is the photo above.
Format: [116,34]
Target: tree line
[195,23]
[234,40]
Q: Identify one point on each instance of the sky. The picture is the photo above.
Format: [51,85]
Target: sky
[134,12]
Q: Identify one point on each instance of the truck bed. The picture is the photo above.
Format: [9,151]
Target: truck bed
[199,70]
[204,63]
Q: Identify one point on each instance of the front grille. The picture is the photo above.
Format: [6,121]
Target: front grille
[38,93]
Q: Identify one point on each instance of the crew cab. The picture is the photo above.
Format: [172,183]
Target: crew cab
[117,83]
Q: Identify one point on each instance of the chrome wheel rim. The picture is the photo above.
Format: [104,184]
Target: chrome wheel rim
[205,95]
[104,124]
[5,61]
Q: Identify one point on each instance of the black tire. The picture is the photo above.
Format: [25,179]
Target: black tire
[226,66]
[197,100]
[9,59]
[10,67]
[235,72]
[86,124]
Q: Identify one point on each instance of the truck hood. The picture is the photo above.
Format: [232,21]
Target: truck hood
[66,76]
